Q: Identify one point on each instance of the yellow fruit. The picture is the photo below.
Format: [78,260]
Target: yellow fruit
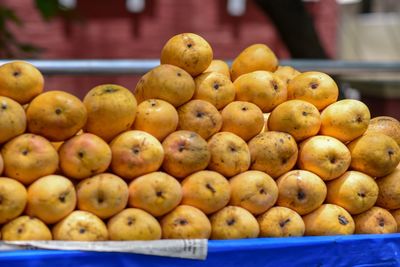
[20,81]
[188,51]
[254,57]
[220,66]
[12,119]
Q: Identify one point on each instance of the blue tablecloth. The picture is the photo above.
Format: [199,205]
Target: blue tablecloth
[356,250]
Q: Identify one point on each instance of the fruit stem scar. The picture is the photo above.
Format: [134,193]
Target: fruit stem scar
[62,197]
[58,111]
[244,108]
[381,222]
[209,187]
[130,220]
[189,45]
[301,195]
[82,230]
[361,194]
[283,223]
[159,193]
[199,114]
[25,152]
[216,86]
[313,85]
[20,230]
[304,113]
[4,106]
[230,221]
[16,73]
[262,191]
[342,220]
[183,221]
[81,154]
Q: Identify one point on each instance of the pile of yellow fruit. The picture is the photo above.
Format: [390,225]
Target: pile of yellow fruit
[198,150]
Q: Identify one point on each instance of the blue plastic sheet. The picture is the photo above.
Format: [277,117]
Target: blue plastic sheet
[356,250]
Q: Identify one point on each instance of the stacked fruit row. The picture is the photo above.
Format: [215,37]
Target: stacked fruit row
[197,151]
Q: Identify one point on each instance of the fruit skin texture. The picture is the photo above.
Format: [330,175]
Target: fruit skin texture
[301,191]
[135,153]
[157,193]
[219,66]
[80,226]
[12,119]
[280,222]
[111,110]
[255,57]
[389,190]
[296,117]
[51,198]
[375,221]
[329,219]
[215,88]
[185,153]
[242,118]
[345,120]
[386,125]
[354,191]
[325,156]
[104,195]
[315,87]
[286,73]
[13,197]
[188,51]
[28,157]
[84,155]
[273,152]
[156,117]
[262,88]
[20,81]
[206,190]
[233,222]
[201,117]
[133,224]
[255,191]
[374,154]
[25,228]
[56,115]
[396,215]
[165,82]
[185,222]
[230,155]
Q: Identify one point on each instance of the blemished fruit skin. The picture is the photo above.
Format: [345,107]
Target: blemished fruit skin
[188,51]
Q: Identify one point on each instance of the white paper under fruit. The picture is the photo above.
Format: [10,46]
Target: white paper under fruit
[178,248]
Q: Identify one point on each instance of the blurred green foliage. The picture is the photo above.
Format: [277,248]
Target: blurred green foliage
[10,46]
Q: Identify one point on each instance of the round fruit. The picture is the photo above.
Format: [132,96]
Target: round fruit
[111,110]
[13,198]
[12,119]
[56,115]
[166,82]
[315,87]
[188,51]
[375,221]
[254,57]
[25,228]
[20,81]
[219,66]
[296,117]
[262,88]
[386,125]
[215,88]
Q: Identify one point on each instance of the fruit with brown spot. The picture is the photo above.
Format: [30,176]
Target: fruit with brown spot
[186,152]
[329,219]
[375,221]
[157,193]
[230,155]
[263,88]
[354,191]
[135,153]
[25,228]
[280,222]
[296,117]
[273,152]
[242,118]
[201,117]
[255,191]
[104,195]
[80,226]
[188,51]
[185,222]
[301,191]
[208,191]
[233,222]
[156,117]
[133,224]
[111,110]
